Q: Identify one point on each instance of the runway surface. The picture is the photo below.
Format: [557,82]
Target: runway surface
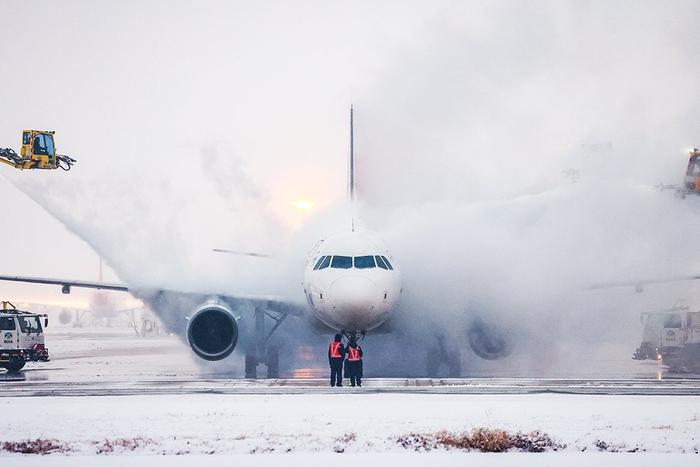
[112,362]
[25,388]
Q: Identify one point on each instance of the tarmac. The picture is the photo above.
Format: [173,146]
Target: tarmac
[112,362]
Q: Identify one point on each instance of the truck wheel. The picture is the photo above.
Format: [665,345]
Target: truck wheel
[13,366]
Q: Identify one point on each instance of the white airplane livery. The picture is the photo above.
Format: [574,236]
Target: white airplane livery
[351,282]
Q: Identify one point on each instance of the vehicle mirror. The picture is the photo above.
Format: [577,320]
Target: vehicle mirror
[46,322]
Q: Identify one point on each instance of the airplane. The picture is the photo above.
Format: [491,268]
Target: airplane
[352,285]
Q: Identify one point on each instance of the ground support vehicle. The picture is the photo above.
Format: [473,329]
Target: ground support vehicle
[673,338]
[21,337]
[38,152]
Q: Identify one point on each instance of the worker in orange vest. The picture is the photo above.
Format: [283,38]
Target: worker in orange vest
[353,365]
[336,354]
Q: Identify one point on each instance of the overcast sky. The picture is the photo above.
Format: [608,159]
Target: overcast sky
[232,110]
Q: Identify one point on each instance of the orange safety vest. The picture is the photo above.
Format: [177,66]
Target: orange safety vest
[335,350]
[353,354]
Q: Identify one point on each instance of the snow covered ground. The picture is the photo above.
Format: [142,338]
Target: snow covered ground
[346,427]
[309,425]
[556,459]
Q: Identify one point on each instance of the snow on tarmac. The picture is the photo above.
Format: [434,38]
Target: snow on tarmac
[349,423]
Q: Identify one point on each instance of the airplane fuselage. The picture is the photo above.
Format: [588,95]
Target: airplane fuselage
[351,282]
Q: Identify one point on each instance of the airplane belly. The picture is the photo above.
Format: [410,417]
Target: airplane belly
[352,317]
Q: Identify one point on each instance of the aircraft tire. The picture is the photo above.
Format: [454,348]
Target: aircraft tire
[454,365]
[432,363]
[273,362]
[251,366]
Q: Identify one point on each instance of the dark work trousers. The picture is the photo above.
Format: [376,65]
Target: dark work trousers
[336,371]
[353,370]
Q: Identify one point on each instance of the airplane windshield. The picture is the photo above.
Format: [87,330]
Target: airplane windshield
[318,263]
[364,262]
[341,262]
[326,262]
[388,264]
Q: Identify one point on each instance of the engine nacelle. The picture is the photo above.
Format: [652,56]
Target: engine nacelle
[488,341]
[212,331]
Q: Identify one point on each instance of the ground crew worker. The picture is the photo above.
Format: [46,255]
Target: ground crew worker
[336,354]
[353,365]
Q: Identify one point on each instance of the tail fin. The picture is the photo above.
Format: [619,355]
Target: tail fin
[351,169]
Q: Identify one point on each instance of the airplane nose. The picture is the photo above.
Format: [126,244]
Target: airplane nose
[354,292]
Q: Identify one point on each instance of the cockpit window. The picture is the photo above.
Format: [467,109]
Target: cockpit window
[326,262]
[388,264]
[341,262]
[380,262]
[318,263]
[364,262]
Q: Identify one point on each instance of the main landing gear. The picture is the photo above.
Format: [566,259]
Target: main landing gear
[442,355]
[262,352]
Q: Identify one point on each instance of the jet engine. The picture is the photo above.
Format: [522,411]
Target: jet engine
[489,341]
[212,331]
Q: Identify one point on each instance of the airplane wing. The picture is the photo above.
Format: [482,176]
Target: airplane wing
[639,284]
[66,284]
[271,303]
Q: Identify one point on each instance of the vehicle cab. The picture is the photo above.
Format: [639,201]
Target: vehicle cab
[21,337]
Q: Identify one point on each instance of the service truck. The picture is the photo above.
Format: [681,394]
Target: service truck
[673,337]
[21,337]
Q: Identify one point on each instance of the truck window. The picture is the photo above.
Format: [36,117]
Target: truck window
[694,320]
[29,324]
[694,167]
[40,146]
[673,321]
[7,323]
[50,151]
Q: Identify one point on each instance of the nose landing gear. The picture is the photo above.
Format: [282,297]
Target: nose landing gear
[354,335]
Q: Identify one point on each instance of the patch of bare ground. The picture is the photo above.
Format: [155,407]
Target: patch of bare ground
[341,442]
[119,445]
[602,445]
[35,446]
[480,439]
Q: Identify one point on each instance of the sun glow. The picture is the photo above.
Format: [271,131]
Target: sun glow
[303,204]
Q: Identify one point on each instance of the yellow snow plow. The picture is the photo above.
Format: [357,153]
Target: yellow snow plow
[38,152]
